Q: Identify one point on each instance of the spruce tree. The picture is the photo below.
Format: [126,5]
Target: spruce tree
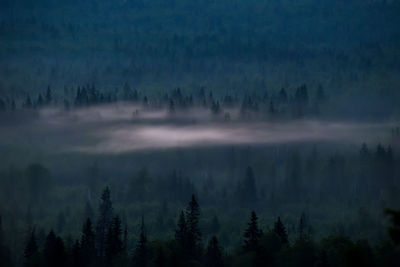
[280,230]
[103,221]
[213,256]
[88,243]
[181,231]
[140,254]
[113,244]
[48,97]
[252,234]
[76,256]
[31,252]
[193,230]
[53,251]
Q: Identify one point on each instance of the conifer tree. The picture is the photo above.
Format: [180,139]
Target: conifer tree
[48,97]
[280,230]
[181,231]
[113,244]
[213,255]
[193,230]
[252,234]
[53,251]
[140,254]
[103,222]
[31,252]
[88,243]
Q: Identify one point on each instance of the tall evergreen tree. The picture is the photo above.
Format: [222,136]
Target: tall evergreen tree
[113,244]
[213,257]
[280,230]
[48,97]
[31,252]
[75,257]
[140,254]
[193,230]
[53,251]
[104,221]
[252,234]
[181,231]
[88,244]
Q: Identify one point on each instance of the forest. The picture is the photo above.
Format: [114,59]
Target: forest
[199,133]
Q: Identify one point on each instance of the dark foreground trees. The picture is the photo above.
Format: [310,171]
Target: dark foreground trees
[259,248]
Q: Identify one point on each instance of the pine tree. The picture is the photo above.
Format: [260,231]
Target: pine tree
[140,254]
[103,221]
[193,230]
[252,234]
[39,102]
[76,255]
[303,228]
[54,251]
[88,244]
[28,102]
[31,252]
[181,231]
[113,244]
[214,253]
[280,230]
[48,97]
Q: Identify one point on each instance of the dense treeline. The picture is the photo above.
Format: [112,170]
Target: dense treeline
[105,243]
[230,48]
[339,192]
[278,104]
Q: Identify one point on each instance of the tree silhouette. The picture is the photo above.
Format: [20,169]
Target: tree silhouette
[213,257]
[88,243]
[103,221]
[252,235]
[113,244]
[53,251]
[181,231]
[193,230]
[31,252]
[140,254]
[280,230]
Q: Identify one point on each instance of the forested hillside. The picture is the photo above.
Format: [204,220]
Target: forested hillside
[199,133]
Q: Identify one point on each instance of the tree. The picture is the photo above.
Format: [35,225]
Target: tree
[181,231]
[88,243]
[54,251]
[48,97]
[193,230]
[28,102]
[31,252]
[39,102]
[113,244]
[76,255]
[394,230]
[140,254]
[213,257]
[252,235]
[104,221]
[303,231]
[280,230]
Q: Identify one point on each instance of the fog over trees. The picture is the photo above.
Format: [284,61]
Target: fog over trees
[199,133]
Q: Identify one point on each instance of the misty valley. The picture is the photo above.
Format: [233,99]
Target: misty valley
[152,133]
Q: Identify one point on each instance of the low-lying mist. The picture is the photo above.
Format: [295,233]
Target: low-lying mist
[121,128]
